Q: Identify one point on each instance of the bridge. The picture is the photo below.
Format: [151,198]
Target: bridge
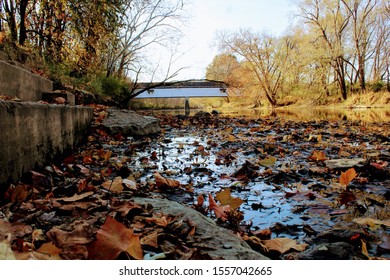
[184,89]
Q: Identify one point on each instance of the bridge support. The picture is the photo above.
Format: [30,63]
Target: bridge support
[187,106]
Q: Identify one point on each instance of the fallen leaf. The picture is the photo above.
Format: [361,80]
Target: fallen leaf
[63,238]
[317,156]
[225,198]
[346,197]
[112,239]
[75,197]
[219,211]
[49,251]
[347,177]
[165,183]
[114,185]
[6,251]
[364,249]
[282,245]
[371,222]
[158,219]
[267,162]
[379,165]
[18,193]
[130,184]
[151,239]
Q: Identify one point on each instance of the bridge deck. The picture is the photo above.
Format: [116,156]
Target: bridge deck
[183,92]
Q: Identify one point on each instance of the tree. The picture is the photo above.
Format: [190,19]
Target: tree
[264,55]
[145,23]
[363,25]
[331,22]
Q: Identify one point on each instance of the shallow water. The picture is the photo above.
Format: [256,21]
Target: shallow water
[301,114]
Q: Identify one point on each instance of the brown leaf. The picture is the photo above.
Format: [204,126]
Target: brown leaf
[165,183]
[282,245]
[18,193]
[62,238]
[158,219]
[124,207]
[51,250]
[219,211]
[347,177]
[114,185]
[76,197]
[346,197]
[112,239]
[225,198]
[151,239]
[154,156]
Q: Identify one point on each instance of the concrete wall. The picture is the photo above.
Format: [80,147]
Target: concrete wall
[18,82]
[33,133]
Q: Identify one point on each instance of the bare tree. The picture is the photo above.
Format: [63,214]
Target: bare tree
[145,23]
[363,25]
[265,55]
[330,22]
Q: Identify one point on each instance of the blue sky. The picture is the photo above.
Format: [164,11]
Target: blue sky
[208,16]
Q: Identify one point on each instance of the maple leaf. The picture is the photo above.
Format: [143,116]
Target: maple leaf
[50,250]
[113,238]
[219,211]
[318,156]
[282,245]
[225,198]
[347,177]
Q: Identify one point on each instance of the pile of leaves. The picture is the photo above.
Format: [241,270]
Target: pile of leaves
[287,188]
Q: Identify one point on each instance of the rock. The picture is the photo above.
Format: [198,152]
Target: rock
[128,123]
[217,242]
[202,115]
[344,163]
[328,251]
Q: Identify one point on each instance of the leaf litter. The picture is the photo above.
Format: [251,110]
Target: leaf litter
[287,188]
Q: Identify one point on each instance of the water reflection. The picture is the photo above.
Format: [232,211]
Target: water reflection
[310,114]
[368,115]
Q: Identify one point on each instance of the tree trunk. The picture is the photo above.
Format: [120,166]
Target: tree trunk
[22,29]
[11,19]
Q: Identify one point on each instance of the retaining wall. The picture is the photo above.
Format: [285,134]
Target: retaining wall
[18,82]
[33,133]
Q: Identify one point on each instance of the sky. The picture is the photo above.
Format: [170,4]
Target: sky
[198,45]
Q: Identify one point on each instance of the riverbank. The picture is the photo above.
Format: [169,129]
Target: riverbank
[275,184]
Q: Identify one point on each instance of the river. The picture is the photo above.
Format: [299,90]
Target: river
[301,114]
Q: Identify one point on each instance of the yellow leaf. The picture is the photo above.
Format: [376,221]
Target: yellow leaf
[225,198]
[282,245]
[347,176]
[6,251]
[267,162]
[371,222]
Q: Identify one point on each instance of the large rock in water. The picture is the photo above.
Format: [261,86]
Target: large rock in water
[217,242]
[128,122]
